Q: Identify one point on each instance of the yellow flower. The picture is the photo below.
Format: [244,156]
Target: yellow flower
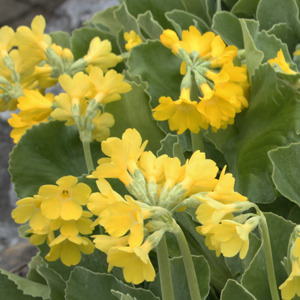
[224,190]
[35,108]
[84,225]
[220,104]
[69,249]
[102,123]
[210,213]
[99,54]
[199,174]
[63,111]
[181,114]
[7,36]
[230,237]
[30,209]
[108,87]
[123,154]
[132,39]
[135,262]
[106,242]
[281,62]
[32,43]
[291,287]
[170,40]
[65,199]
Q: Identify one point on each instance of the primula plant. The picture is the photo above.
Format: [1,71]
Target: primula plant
[157,152]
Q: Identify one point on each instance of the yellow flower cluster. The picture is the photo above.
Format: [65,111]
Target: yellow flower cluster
[132,39]
[279,61]
[222,86]
[56,215]
[30,62]
[162,186]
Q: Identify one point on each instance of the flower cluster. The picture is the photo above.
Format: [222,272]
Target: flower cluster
[30,62]
[162,186]
[222,87]
[56,215]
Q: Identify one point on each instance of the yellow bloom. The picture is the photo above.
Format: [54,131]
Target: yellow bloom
[32,43]
[170,40]
[65,199]
[84,225]
[99,54]
[296,52]
[108,87]
[29,209]
[281,62]
[199,174]
[224,190]
[231,237]
[135,262]
[7,36]
[69,249]
[132,39]
[102,123]
[291,287]
[181,114]
[123,154]
[35,108]
[210,213]
[64,110]
[106,242]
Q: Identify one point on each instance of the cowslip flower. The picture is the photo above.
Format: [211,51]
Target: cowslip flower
[35,108]
[280,61]
[291,287]
[32,42]
[132,39]
[181,114]
[7,36]
[69,249]
[108,87]
[135,262]
[100,55]
[64,200]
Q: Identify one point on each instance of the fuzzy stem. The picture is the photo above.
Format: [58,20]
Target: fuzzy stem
[188,262]
[164,270]
[88,155]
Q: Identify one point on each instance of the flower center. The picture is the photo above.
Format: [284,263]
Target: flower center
[65,194]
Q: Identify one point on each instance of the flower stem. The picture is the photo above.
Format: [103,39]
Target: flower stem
[188,262]
[88,156]
[164,270]
[268,254]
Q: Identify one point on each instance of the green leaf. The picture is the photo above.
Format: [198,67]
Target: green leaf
[30,288]
[272,120]
[167,145]
[149,25]
[100,286]
[126,19]
[255,278]
[229,28]
[54,281]
[245,8]
[121,296]
[81,38]
[45,153]
[180,284]
[234,291]
[10,290]
[61,38]
[182,20]
[198,8]
[285,175]
[159,67]
[157,7]
[230,3]
[133,111]
[271,12]
[253,56]
[105,18]
[285,34]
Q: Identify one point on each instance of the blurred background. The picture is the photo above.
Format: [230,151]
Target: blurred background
[65,15]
